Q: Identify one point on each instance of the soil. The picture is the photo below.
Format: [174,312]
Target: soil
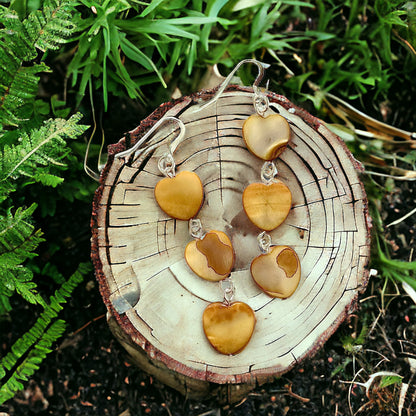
[89,373]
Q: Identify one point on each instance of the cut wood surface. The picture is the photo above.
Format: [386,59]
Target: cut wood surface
[154,300]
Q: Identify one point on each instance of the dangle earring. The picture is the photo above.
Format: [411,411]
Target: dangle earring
[277,270]
[227,325]
[178,195]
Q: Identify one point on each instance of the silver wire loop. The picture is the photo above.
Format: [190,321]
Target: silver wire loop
[265,241]
[195,228]
[260,102]
[268,172]
[261,67]
[228,288]
[167,165]
[136,148]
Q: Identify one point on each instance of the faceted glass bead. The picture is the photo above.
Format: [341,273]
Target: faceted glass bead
[267,206]
[181,196]
[211,257]
[266,137]
[228,328]
[278,272]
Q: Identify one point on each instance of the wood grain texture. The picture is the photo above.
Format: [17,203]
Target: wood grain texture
[138,251]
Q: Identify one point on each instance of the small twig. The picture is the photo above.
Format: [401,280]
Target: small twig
[352,383]
[402,397]
[409,214]
[384,335]
[371,379]
[374,324]
[386,175]
[410,291]
[296,396]
[213,412]
[368,298]
[87,324]
[281,63]
[412,49]
[379,353]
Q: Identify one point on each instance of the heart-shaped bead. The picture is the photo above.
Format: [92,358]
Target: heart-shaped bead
[267,206]
[278,272]
[211,257]
[228,327]
[266,137]
[181,196]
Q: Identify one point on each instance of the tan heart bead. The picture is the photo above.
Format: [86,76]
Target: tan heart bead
[228,328]
[278,272]
[180,197]
[266,137]
[267,206]
[211,257]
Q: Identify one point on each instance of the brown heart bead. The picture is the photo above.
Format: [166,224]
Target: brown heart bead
[228,327]
[211,257]
[180,197]
[267,206]
[266,137]
[278,272]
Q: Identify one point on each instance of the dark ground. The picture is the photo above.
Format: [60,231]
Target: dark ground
[89,372]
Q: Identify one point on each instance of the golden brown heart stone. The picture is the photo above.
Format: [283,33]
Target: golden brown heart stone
[228,327]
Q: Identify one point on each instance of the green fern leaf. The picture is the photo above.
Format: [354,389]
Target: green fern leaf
[19,41]
[51,26]
[37,152]
[30,349]
[17,103]
[31,363]
[18,240]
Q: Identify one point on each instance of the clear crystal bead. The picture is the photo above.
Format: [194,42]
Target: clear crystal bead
[195,228]
[260,102]
[268,172]
[265,241]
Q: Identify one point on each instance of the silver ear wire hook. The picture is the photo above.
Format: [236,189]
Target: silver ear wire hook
[261,67]
[174,144]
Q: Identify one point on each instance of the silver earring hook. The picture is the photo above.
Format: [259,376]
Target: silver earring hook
[261,67]
[174,144]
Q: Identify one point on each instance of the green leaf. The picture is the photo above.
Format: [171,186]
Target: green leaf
[31,348]
[43,29]
[213,9]
[136,55]
[346,134]
[390,380]
[38,151]
[18,240]
[152,6]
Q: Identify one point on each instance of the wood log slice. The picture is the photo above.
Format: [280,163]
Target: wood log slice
[155,302]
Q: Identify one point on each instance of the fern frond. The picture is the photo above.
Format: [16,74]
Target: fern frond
[18,240]
[30,349]
[19,41]
[51,26]
[18,97]
[37,152]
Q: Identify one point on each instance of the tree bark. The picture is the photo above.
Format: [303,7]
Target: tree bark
[155,302]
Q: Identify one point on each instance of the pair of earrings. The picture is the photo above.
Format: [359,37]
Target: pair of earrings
[229,325]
